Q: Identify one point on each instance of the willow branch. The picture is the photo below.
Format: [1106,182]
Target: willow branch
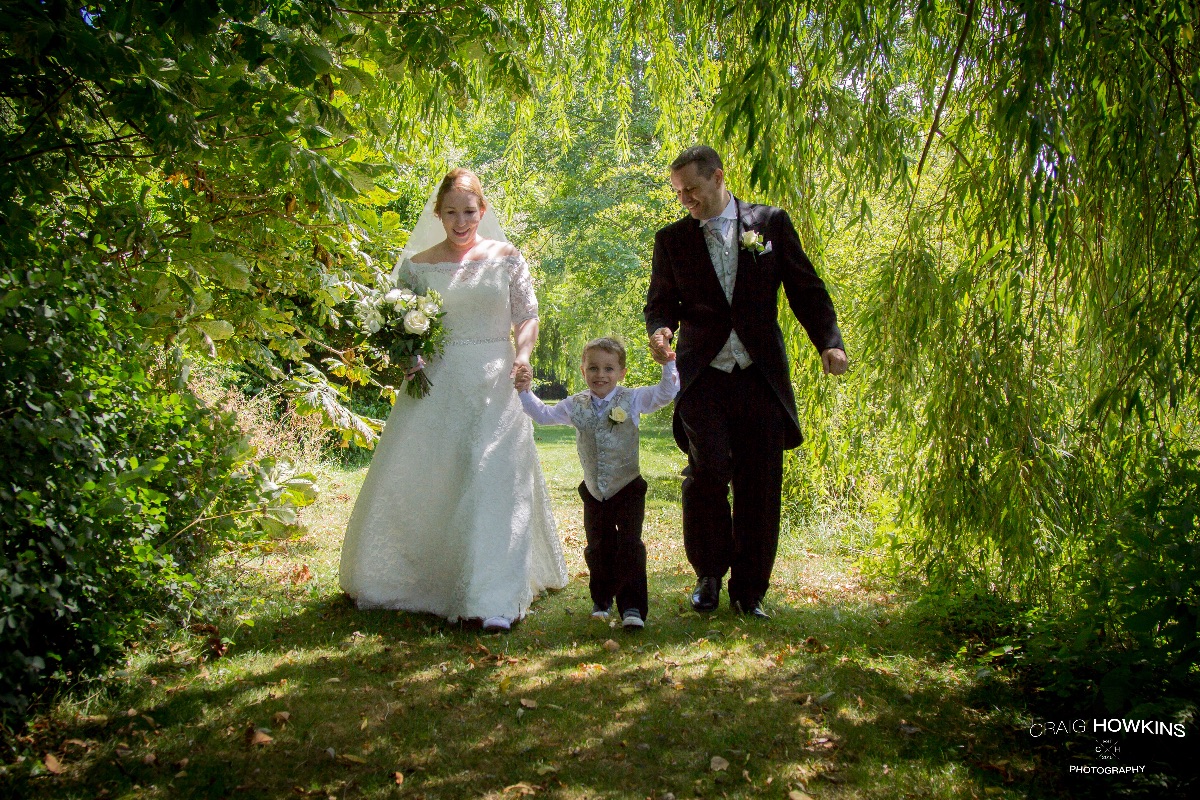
[937,114]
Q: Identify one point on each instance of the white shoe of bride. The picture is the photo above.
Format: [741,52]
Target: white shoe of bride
[497,624]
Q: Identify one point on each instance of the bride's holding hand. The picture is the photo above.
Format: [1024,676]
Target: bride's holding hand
[453,518]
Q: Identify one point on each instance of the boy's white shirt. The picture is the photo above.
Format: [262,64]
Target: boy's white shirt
[645,399]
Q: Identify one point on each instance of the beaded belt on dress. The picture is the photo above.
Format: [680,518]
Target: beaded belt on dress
[478,341]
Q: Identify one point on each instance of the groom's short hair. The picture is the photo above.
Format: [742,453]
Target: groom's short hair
[609,345]
[706,159]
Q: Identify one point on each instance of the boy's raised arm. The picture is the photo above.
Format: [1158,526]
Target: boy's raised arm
[652,398]
[539,412]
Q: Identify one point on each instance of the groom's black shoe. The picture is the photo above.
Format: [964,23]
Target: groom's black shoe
[707,594]
[749,608]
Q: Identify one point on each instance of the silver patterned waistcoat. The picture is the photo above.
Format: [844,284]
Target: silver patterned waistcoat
[608,450]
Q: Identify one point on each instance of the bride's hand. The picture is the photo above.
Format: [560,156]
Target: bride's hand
[416,367]
[523,377]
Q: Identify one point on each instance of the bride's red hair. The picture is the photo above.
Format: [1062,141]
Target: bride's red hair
[463,180]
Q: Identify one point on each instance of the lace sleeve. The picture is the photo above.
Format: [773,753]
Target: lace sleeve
[404,275]
[522,302]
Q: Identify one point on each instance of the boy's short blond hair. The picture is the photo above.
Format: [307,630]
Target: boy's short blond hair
[609,345]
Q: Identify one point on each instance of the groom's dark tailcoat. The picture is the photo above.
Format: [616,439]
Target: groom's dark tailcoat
[734,427]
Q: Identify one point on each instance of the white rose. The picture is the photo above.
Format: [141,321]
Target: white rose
[373,325]
[416,322]
[428,307]
[393,296]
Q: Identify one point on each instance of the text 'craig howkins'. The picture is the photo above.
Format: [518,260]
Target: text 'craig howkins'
[1141,726]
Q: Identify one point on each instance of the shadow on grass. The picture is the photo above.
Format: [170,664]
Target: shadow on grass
[839,698]
[839,695]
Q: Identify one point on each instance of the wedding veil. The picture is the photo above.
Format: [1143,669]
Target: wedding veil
[429,231]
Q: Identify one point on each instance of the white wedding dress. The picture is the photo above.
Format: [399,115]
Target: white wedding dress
[454,518]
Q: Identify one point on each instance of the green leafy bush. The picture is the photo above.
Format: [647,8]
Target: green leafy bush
[118,481]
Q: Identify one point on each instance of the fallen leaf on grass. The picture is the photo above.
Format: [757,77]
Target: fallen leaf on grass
[346,758]
[256,737]
[525,701]
[301,574]
[584,671]
[796,794]
[717,764]
[803,698]
[150,759]
[281,717]
[398,777]
[612,646]
[546,769]
[521,788]
[813,645]
[217,646]
[77,743]
[53,765]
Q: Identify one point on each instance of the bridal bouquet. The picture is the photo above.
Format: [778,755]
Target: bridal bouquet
[405,329]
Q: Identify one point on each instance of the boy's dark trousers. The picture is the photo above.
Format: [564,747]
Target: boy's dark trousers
[615,554]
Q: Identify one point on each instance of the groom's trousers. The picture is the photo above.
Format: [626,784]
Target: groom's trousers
[615,554]
[734,425]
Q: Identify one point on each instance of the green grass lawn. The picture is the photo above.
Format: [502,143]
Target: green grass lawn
[845,693]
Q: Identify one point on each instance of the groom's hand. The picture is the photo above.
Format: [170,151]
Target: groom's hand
[834,361]
[660,345]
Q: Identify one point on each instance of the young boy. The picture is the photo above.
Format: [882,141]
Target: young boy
[606,420]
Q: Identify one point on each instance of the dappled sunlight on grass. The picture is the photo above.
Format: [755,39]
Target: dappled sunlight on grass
[842,694]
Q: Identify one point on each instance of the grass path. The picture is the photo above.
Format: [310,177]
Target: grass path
[843,694]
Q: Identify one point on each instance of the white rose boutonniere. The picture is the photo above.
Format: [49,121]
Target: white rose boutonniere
[753,241]
[617,415]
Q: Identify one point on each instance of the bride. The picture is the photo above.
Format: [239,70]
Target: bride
[453,518]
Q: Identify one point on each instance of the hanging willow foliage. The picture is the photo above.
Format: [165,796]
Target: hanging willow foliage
[1025,176]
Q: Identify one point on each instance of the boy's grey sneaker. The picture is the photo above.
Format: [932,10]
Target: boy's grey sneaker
[631,620]
[598,612]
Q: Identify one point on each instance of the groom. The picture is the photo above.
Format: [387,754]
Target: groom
[716,279]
